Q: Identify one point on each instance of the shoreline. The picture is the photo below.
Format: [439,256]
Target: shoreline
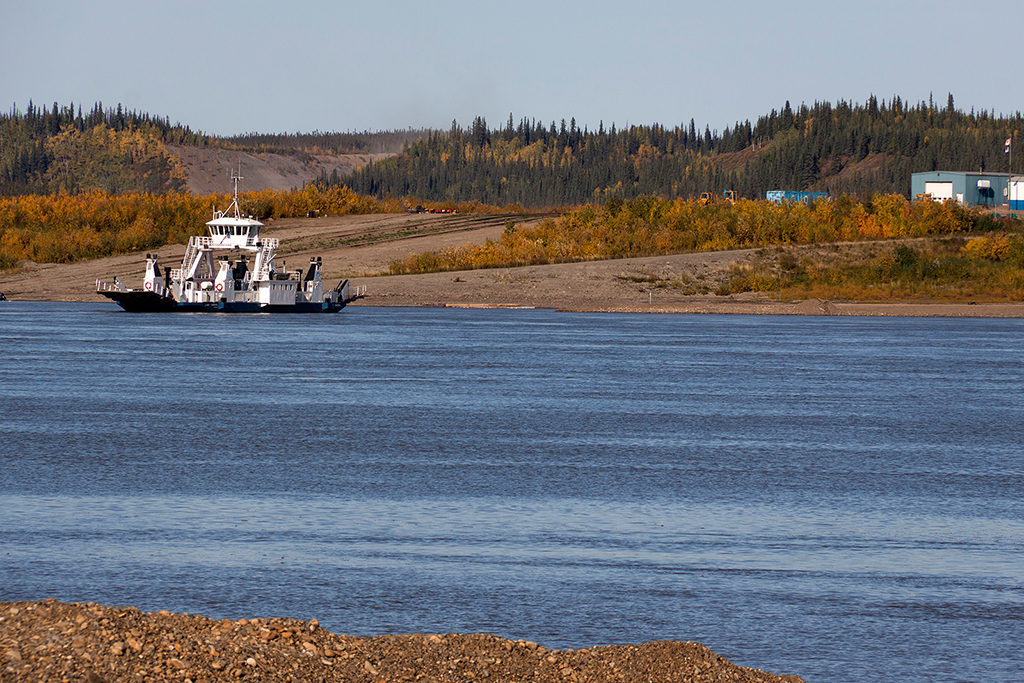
[634,285]
[811,307]
[51,640]
[723,306]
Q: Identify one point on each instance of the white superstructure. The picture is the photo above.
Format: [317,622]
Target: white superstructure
[231,269]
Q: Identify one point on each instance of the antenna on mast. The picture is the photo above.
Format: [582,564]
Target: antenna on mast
[235,177]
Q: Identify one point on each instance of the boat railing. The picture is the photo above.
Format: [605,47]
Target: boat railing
[102,286]
[116,286]
[347,294]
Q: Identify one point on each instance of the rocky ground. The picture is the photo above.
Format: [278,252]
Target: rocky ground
[54,641]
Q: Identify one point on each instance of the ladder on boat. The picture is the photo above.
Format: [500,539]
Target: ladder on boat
[264,257]
[195,244]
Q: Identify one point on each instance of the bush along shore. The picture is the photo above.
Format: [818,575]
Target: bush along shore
[54,641]
[650,226]
[907,250]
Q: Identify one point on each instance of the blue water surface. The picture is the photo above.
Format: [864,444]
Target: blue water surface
[838,498]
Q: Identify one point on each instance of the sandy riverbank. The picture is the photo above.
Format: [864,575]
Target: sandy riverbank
[54,641]
[600,286]
[610,286]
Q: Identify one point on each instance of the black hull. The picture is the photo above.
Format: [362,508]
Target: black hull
[246,307]
[141,302]
[148,302]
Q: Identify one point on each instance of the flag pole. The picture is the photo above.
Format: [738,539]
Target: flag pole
[1009,170]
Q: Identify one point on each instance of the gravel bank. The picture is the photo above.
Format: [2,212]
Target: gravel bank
[54,641]
[637,285]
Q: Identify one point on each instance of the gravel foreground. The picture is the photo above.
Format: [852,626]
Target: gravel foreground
[92,643]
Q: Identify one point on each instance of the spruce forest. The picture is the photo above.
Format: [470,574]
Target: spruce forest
[843,149]
[60,149]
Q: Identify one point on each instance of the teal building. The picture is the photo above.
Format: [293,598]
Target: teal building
[968,188]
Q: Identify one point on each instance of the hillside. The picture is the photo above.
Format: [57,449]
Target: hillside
[209,169]
[842,149]
[50,150]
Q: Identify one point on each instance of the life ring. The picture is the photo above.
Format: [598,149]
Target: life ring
[149,285]
[220,287]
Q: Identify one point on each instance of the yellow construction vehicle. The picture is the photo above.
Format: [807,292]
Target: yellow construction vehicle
[710,197]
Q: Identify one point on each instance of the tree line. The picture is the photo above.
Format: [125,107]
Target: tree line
[317,142]
[62,148]
[68,149]
[842,148]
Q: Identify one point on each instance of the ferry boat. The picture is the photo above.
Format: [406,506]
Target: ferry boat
[216,275]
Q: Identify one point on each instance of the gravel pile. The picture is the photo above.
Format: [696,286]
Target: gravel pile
[54,641]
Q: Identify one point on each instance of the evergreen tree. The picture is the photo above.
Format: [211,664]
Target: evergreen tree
[876,146]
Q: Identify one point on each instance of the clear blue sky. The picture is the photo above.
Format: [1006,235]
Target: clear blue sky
[228,67]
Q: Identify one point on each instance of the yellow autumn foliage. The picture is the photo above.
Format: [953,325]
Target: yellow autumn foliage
[996,248]
[64,227]
[649,225]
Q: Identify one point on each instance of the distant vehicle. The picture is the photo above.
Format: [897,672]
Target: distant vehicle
[779,196]
[710,197]
[419,208]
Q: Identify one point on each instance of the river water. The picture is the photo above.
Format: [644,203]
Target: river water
[838,498]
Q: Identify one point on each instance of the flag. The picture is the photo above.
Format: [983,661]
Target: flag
[1007,148]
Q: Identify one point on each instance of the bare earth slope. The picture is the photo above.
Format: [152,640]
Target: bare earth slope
[209,170]
[358,247]
[53,641]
